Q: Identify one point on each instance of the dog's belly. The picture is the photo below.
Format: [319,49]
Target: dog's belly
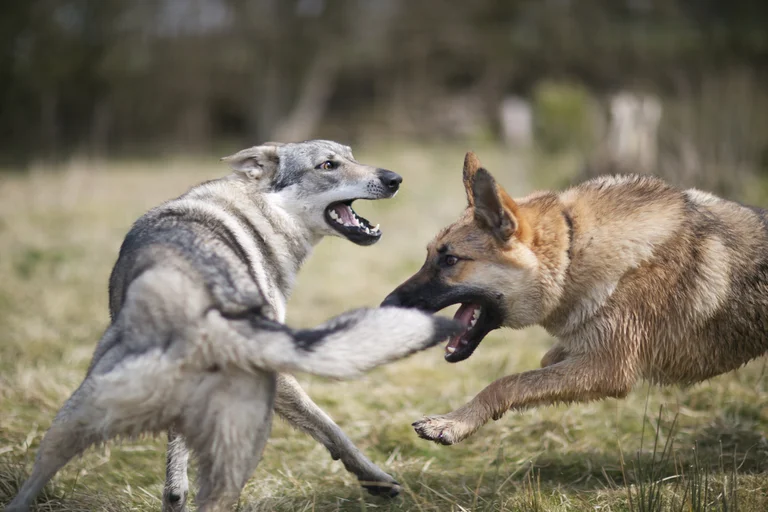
[720,346]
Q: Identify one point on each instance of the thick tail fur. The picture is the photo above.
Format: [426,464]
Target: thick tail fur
[344,347]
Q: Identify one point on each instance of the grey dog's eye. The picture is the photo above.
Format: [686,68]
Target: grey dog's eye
[451,260]
[327,165]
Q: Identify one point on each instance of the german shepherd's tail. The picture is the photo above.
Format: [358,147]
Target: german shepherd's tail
[345,347]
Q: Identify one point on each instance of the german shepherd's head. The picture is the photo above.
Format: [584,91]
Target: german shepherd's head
[495,260]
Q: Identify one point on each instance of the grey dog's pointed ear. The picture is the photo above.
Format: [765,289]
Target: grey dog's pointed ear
[255,162]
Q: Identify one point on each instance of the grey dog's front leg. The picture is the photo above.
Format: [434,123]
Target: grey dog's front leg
[295,406]
[176,489]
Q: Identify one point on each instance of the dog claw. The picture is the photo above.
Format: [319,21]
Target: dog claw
[383,489]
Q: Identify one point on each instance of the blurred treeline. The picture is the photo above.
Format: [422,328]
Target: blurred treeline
[115,78]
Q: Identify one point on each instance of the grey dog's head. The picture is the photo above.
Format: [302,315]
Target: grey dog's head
[317,181]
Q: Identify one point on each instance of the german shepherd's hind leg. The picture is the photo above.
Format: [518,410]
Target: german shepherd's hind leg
[176,489]
[226,425]
[71,433]
[576,379]
[297,408]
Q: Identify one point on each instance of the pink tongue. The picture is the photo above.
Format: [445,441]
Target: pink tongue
[464,316]
[346,215]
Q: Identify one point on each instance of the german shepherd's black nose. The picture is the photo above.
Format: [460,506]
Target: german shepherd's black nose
[390,180]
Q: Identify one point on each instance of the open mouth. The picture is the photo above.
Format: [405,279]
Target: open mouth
[341,217]
[478,320]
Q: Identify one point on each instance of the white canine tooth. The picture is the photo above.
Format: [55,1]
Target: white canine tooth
[339,220]
[333,214]
[377,227]
[450,350]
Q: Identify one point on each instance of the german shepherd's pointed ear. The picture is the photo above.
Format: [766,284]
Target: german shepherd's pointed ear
[471,165]
[255,162]
[494,210]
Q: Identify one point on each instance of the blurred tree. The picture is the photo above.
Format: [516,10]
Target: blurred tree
[105,77]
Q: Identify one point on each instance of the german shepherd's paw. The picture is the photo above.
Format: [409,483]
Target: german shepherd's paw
[442,429]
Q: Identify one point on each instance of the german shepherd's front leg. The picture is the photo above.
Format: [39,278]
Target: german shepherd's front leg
[576,379]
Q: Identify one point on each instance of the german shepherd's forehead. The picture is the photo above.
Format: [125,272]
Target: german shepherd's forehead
[464,239]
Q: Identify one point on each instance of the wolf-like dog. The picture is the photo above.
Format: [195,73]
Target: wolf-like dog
[634,278]
[197,344]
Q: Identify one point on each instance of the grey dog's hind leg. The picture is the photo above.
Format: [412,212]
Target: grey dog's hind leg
[295,406]
[176,489]
[70,434]
[227,430]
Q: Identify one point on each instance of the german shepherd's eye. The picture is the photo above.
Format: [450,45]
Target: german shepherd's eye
[450,260]
[327,165]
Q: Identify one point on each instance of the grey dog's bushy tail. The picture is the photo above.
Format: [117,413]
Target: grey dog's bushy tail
[344,347]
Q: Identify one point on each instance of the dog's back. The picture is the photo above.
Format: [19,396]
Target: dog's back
[681,276]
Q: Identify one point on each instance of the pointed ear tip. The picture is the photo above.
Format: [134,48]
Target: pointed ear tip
[471,162]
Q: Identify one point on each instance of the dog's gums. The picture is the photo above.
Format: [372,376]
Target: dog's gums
[341,217]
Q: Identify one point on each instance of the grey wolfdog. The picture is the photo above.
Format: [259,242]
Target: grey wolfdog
[637,280]
[197,344]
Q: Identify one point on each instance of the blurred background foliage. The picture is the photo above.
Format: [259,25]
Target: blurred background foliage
[117,78]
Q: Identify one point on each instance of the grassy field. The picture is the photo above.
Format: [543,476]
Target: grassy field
[59,236]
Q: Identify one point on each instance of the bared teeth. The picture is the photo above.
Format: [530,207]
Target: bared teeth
[450,350]
[353,220]
[475,316]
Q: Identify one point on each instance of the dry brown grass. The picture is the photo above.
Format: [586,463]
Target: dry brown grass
[60,233]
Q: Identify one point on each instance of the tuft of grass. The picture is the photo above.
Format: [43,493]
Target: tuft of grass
[65,228]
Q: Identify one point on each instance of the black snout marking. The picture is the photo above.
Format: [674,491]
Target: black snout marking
[393,299]
[390,180]
[430,294]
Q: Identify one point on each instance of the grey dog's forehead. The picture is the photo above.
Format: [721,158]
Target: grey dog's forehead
[311,150]
[298,157]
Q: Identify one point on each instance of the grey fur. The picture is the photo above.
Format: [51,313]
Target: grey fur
[196,343]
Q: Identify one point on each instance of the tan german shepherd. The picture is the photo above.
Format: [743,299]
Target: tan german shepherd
[635,278]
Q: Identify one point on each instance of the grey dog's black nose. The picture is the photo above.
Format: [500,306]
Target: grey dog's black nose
[390,180]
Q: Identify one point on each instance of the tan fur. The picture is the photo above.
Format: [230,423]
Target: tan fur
[647,282]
